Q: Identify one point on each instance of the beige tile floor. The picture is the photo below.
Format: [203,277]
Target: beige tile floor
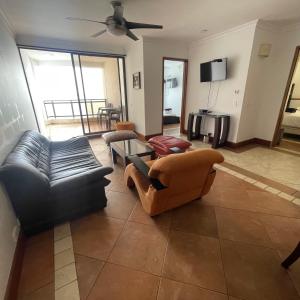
[228,245]
[278,166]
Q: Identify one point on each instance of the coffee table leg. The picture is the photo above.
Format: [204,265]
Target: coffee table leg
[126,161]
[153,155]
[114,155]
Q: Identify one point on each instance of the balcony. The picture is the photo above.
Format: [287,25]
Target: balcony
[65,118]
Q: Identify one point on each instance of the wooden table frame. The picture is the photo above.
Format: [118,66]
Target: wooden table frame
[117,151]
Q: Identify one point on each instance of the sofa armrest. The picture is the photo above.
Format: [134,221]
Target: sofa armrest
[26,188]
[144,169]
[81,179]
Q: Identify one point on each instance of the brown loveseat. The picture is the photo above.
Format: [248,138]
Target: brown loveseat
[172,180]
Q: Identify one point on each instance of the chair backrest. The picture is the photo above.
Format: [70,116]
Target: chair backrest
[185,171]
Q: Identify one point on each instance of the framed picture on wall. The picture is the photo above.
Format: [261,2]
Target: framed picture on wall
[136,78]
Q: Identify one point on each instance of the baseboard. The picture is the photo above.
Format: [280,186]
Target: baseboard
[248,142]
[228,144]
[146,137]
[16,268]
[263,142]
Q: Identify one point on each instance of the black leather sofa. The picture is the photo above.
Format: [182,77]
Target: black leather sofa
[51,182]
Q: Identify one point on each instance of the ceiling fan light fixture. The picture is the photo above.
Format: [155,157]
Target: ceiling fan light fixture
[117,25]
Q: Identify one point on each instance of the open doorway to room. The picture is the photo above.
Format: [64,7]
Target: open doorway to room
[75,94]
[287,134]
[174,95]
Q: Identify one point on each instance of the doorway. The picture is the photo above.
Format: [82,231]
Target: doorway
[287,134]
[174,95]
[75,93]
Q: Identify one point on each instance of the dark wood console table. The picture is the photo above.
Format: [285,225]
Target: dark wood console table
[222,123]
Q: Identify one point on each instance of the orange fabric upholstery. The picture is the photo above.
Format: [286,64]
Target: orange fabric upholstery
[124,126]
[187,176]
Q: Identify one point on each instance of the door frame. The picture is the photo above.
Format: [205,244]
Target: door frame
[184,91]
[79,53]
[285,96]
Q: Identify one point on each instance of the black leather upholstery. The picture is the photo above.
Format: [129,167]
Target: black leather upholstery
[51,182]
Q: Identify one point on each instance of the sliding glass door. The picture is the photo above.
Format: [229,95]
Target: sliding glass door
[100,91]
[75,94]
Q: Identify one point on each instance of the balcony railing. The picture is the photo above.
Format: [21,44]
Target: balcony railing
[70,109]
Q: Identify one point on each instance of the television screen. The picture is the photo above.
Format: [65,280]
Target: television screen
[205,72]
[214,70]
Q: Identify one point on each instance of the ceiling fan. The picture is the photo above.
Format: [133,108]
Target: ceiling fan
[117,24]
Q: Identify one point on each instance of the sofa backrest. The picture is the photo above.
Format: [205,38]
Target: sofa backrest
[32,150]
[185,171]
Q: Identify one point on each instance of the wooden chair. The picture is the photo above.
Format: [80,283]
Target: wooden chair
[292,257]
[114,115]
[103,114]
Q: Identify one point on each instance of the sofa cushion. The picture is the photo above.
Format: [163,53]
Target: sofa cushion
[71,157]
[121,135]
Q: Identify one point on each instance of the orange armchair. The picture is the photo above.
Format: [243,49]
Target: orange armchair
[173,180]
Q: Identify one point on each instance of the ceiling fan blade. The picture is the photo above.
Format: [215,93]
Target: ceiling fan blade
[87,20]
[131,35]
[133,25]
[98,33]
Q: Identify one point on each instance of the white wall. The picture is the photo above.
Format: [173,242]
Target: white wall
[260,82]
[173,96]
[16,115]
[94,46]
[154,51]
[272,75]
[236,45]
[135,97]
[112,81]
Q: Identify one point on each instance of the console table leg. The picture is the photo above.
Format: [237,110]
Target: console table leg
[198,127]
[225,130]
[190,127]
[217,133]
[153,156]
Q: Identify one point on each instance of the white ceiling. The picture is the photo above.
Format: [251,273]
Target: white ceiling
[182,20]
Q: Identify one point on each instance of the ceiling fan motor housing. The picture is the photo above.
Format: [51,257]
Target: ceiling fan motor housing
[115,27]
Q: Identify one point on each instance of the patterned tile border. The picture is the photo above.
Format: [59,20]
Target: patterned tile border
[65,276]
[259,184]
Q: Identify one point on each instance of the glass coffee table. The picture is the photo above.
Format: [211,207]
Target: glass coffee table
[130,147]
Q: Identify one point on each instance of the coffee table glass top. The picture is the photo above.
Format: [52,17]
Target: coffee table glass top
[132,147]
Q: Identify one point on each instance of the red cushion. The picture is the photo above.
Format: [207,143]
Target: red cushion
[163,143]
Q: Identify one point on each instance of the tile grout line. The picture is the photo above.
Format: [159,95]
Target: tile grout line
[65,275]
[259,184]
[106,260]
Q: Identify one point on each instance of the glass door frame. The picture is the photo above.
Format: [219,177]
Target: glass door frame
[81,53]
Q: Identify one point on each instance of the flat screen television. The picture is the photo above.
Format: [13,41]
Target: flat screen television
[214,70]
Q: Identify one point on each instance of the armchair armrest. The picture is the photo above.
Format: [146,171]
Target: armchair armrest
[144,169]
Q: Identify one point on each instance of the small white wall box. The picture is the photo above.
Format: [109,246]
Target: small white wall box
[264,50]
